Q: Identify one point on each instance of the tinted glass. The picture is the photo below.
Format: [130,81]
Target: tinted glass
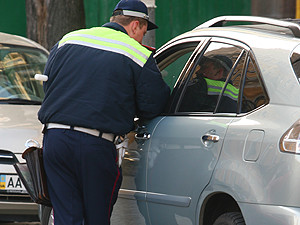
[295,60]
[254,94]
[18,66]
[233,87]
[210,82]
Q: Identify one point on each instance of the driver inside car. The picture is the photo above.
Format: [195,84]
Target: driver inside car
[206,86]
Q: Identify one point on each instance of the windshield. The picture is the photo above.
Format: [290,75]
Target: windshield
[18,65]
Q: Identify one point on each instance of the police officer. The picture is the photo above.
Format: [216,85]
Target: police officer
[99,79]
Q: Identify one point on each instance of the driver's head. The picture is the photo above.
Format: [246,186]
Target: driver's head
[215,67]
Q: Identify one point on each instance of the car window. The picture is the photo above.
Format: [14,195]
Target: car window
[18,65]
[295,60]
[211,87]
[254,94]
[173,61]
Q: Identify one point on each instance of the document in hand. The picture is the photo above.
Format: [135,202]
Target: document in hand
[33,175]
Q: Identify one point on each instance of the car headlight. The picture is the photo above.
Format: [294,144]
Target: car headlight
[290,140]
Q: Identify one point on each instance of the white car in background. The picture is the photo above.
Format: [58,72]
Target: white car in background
[20,99]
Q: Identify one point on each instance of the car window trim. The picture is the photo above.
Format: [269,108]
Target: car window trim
[242,82]
[173,43]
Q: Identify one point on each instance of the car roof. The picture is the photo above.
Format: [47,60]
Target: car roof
[265,28]
[10,39]
[290,24]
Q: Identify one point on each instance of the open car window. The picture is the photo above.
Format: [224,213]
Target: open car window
[172,61]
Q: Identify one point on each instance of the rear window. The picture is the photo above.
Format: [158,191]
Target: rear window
[295,60]
[18,65]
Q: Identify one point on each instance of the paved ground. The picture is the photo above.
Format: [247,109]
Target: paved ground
[17,223]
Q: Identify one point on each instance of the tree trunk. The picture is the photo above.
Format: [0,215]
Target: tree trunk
[49,20]
[280,9]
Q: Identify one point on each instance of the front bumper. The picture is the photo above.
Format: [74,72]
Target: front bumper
[18,208]
[18,211]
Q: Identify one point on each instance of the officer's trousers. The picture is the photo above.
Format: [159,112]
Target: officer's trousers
[82,175]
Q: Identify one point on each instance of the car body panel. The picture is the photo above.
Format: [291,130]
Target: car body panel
[132,195]
[11,39]
[270,214]
[175,155]
[18,123]
[262,181]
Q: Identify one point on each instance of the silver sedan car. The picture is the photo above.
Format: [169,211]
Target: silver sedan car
[226,149]
[20,99]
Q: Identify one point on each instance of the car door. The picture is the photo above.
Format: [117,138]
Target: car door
[131,208]
[185,144]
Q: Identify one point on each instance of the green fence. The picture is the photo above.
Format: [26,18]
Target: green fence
[13,17]
[98,12]
[172,16]
[176,16]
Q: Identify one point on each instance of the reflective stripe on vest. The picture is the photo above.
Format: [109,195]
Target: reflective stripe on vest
[214,87]
[109,40]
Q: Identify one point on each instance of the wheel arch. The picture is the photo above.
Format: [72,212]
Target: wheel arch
[216,204]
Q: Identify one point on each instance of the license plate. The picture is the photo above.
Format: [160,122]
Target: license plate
[11,183]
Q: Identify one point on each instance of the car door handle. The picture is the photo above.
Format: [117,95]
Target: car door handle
[210,137]
[142,136]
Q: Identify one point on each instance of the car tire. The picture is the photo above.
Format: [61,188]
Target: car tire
[47,216]
[231,218]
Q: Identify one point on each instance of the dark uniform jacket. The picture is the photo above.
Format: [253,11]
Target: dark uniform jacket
[100,78]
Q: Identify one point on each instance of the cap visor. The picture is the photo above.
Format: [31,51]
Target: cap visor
[151,26]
